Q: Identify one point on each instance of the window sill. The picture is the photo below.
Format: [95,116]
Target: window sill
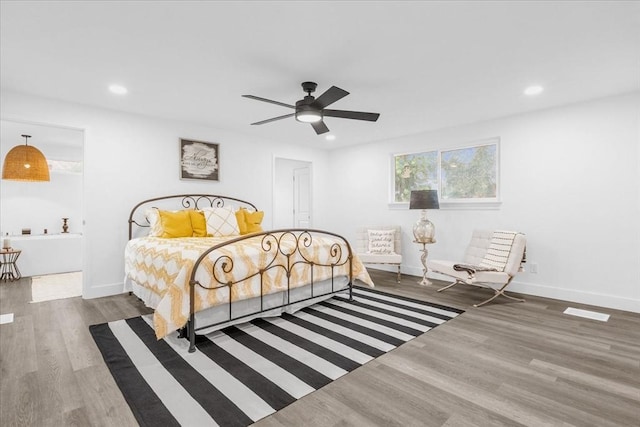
[494,205]
[449,205]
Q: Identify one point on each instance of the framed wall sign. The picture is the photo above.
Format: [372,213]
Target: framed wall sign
[199,160]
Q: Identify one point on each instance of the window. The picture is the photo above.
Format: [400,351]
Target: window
[416,171]
[469,174]
[463,176]
[65,166]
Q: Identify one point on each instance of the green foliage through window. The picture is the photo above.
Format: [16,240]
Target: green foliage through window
[469,173]
[418,171]
[464,174]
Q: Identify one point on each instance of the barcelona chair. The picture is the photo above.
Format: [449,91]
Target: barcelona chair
[491,260]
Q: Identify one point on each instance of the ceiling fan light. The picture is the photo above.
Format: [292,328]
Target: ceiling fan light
[308,116]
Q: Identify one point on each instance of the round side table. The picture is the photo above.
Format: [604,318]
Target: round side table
[423,259]
[8,268]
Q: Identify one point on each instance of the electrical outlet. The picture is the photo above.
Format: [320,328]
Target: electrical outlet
[533,268]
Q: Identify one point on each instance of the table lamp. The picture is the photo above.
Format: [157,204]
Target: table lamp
[424,230]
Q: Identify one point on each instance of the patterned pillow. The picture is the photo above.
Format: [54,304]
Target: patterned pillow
[381,241]
[155,226]
[221,222]
[499,249]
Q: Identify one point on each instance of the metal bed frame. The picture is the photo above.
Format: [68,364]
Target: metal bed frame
[279,247]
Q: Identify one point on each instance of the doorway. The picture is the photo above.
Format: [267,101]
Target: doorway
[44,220]
[292,207]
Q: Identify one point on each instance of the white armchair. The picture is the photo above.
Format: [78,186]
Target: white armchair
[367,256]
[492,257]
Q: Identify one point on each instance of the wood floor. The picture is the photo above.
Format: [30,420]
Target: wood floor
[504,364]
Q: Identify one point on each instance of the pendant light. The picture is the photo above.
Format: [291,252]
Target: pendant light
[25,163]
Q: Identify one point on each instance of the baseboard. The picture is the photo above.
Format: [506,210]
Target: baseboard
[383,267]
[414,271]
[573,295]
[570,295]
[103,291]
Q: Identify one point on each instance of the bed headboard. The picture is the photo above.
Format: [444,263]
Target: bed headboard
[181,201]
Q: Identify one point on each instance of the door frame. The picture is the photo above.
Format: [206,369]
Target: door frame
[279,163]
[83,208]
[297,194]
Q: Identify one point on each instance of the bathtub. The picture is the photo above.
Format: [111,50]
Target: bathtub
[48,253]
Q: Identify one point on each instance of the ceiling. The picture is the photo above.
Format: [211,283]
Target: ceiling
[422,65]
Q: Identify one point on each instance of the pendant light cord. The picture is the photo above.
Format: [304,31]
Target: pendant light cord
[26,152]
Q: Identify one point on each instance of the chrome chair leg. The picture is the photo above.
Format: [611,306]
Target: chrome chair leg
[450,285]
[499,292]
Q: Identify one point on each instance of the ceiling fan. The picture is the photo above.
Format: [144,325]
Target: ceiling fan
[312,110]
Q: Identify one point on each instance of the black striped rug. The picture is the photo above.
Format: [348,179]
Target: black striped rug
[247,372]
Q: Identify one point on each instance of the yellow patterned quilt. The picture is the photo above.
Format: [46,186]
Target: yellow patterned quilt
[163,266]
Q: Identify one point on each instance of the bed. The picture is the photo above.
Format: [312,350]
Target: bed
[233,271]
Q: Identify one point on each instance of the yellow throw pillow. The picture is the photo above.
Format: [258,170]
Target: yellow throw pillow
[176,224]
[253,221]
[242,224]
[198,223]
[249,222]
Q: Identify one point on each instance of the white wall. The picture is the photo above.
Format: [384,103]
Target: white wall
[42,205]
[129,158]
[570,180]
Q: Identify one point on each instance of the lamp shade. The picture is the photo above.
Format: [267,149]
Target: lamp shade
[25,163]
[424,199]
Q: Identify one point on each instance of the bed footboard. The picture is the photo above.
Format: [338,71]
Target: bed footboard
[284,253]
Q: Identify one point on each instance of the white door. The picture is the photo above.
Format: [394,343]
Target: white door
[301,198]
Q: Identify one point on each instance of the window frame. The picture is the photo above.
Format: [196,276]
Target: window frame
[451,203]
[67,167]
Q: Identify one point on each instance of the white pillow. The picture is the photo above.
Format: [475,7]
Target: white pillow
[155,225]
[221,222]
[381,241]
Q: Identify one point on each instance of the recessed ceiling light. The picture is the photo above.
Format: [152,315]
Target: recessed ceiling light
[118,90]
[330,137]
[533,90]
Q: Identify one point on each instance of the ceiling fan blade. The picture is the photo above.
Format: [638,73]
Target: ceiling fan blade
[257,98]
[320,127]
[356,115]
[274,119]
[329,97]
